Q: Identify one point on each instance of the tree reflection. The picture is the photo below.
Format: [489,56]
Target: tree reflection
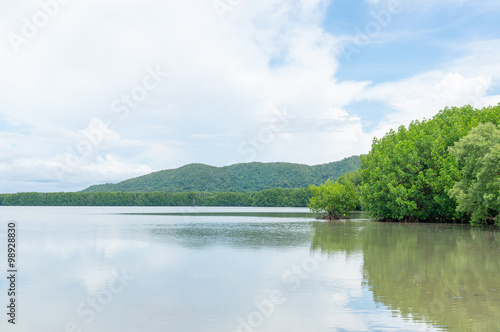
[444,275]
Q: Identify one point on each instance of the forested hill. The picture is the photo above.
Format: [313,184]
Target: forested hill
[249,177]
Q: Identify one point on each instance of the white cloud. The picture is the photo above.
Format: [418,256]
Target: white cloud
[84,157]
[464,81]
[224,78]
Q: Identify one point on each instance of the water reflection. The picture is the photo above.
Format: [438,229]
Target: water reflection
[206,272]
[445,275]
[241,234]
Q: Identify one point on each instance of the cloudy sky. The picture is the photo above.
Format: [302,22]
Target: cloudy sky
[101,91]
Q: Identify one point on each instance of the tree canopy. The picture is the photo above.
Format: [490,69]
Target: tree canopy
[478,158]
[409,173]
[334,198]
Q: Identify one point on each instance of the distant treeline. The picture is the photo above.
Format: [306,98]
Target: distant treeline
[277,197]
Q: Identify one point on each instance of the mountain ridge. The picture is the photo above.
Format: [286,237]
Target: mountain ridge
[242,177]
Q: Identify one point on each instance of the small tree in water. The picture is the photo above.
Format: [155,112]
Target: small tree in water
[333,198]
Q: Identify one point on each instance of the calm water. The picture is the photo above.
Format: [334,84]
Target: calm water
[246,269]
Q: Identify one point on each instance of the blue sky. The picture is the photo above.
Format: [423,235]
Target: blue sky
[95,92]
[412,42]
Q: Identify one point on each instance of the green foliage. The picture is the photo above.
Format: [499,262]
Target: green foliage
[354,177]
[271,197]
[334,198]
[282,197]
[249,177]
[478,191]
[357,180]
[408,173]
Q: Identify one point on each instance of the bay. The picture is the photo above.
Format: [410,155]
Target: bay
[246,269]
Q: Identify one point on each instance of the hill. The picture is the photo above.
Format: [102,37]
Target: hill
[248,177]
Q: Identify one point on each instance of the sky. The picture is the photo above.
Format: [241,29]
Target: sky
[101,91]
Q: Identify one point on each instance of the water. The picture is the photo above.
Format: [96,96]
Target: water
[246,269]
